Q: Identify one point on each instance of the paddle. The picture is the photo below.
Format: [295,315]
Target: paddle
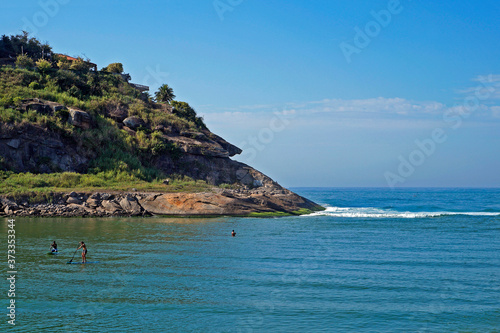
[69,262]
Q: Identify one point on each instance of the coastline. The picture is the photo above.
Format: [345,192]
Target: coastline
[218,202]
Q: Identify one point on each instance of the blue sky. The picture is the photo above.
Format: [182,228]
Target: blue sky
[414,101]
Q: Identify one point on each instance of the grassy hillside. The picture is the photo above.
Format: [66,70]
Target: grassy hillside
[118,160]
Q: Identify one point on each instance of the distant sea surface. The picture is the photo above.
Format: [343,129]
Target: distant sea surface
[376,260]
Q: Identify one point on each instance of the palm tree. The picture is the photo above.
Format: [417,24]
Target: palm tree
[164,94]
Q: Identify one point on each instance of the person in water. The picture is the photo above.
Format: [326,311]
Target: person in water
[53,247]
[84,251]
[233,233]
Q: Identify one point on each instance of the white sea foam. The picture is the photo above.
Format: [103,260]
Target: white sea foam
[369,212]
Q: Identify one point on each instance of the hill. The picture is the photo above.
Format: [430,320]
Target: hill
[67,127]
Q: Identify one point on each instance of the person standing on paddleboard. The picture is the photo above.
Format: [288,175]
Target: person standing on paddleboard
[53,247]
[84,251]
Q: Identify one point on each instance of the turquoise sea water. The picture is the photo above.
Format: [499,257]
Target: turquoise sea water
[377,260]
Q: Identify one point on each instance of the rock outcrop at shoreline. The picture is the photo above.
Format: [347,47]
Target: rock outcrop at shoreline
[268,201]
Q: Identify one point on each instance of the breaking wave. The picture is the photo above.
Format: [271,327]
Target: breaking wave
[368,212]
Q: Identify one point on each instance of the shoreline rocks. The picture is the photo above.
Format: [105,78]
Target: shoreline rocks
[217,203]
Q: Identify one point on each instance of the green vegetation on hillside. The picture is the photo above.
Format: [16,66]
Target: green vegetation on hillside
[19,184]
[34,71]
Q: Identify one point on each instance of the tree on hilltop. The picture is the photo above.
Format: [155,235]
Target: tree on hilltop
[23,44]
[164,94]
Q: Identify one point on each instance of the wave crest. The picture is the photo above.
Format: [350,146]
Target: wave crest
[370,212]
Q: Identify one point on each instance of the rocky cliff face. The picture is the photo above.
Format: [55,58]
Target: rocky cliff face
[201,155]
[30,148]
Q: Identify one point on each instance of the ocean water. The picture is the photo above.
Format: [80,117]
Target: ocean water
[377,260]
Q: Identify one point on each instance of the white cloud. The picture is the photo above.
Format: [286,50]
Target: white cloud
[487,90]
[477,103]
[396,106]
[491,78]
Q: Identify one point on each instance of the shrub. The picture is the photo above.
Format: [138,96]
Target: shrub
[25,77]
[6,101]
[184,110]
[10,116]
[115,67]
[66,79]
[63,64]
[34,85]
[43,65]
[62,114]
[74,91]
[17,101]
[24,61]
[80,65]
[138,109]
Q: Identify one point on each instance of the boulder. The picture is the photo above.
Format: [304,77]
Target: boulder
[93,202]
[111,206]
[134,122]
[55,106]
[14,143]
[73,200]
[128,130]
[79,118]
[221,204]
[130,205]
[4,202]
[96,196]
[185,204]
[106,196]
[75,207]
[39,108]
[119,114]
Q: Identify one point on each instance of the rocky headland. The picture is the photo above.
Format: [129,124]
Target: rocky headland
[59,116]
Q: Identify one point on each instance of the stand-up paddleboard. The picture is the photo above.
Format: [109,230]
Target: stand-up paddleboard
[83,263]
[53,253]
